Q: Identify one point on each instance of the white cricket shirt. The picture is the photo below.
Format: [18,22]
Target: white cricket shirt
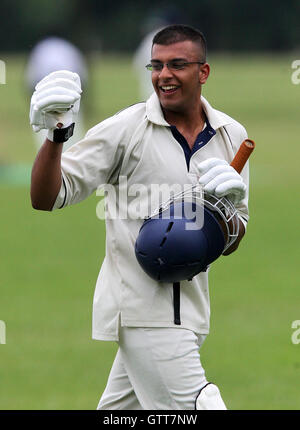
[133,150]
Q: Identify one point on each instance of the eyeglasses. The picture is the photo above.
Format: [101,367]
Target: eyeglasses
[157,66]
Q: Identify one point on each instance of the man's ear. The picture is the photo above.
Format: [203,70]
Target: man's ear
[204,73]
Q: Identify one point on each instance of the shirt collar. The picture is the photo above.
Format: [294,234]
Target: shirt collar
[154,111]
[155,114]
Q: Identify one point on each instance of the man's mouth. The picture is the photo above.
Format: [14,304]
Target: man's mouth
[168,89]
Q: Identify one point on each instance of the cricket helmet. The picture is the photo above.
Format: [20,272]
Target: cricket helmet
[186,234]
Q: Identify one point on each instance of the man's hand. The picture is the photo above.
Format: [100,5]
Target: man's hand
[54,103]
[219,178]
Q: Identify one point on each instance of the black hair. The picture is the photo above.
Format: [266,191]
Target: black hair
[179,33]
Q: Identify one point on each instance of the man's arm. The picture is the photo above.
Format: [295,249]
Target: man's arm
[55,101]
[221,179]
[46,176]
[236,243]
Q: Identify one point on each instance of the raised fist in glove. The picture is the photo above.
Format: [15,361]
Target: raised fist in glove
[54,104]
[219,178]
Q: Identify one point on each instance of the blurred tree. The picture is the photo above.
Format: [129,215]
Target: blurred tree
[118,26]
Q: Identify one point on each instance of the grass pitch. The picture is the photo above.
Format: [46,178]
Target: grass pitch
[50,262]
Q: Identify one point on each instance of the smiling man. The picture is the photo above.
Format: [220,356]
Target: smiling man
[175,137]
[179,70]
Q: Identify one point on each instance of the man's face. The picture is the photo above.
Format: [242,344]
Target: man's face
[179,89]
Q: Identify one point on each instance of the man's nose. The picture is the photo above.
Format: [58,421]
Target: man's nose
[165,72]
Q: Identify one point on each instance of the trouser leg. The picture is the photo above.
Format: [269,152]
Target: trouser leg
[118,393]
[163,366]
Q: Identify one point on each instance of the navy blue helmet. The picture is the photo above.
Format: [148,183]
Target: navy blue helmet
[174,248]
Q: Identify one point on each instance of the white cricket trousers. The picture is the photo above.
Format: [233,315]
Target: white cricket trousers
[155,369]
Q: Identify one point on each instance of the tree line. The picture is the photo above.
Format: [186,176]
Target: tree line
[119,25]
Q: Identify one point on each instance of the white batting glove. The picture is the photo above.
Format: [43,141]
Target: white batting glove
[219,178]
[56,99]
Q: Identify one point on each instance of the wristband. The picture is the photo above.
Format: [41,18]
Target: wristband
[61,135]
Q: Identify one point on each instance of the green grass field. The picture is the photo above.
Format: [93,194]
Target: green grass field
[50,261]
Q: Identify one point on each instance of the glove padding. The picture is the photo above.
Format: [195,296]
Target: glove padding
[219,178]
[56,99]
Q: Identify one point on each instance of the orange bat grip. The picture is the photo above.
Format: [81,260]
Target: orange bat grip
[242,155]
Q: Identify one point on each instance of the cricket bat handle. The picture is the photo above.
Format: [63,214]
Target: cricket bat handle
[242,155]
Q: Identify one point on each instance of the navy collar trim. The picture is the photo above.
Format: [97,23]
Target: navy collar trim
[202,139]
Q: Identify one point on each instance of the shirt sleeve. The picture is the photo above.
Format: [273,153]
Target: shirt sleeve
[92,162]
